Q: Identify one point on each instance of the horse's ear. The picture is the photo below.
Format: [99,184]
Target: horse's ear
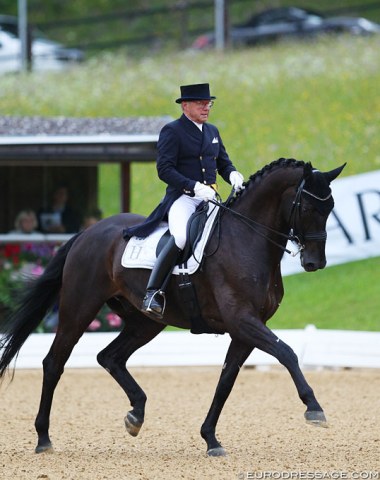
[307,171]
[330,176]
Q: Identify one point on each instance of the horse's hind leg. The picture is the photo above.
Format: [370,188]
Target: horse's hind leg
[70,329]
[53,365]
[138,331]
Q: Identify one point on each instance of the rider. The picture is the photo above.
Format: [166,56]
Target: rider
[190,153]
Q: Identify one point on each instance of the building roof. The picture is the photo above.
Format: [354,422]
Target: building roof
[60,126]
[78,141]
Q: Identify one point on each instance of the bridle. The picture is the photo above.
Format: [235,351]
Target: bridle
[301,238]
[296,237]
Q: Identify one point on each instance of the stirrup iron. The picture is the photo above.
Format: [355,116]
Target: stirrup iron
[151,310]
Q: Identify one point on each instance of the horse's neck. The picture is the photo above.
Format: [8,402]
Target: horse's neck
[262,206]
[263,199]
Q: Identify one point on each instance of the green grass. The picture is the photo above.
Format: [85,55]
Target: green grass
[314,101]
[339,297]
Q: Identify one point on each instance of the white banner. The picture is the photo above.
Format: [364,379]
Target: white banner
[353,227]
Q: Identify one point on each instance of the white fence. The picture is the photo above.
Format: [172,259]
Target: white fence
[314,348]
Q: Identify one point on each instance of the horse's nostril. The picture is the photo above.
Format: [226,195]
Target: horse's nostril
[310,267]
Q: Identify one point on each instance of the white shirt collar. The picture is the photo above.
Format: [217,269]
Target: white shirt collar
[199,125]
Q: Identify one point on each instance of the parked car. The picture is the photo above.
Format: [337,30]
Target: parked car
[46,54]
[289,22]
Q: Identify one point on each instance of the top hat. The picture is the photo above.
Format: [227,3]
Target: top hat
[200,91]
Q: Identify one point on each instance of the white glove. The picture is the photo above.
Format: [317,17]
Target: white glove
[237,180]
[204,192]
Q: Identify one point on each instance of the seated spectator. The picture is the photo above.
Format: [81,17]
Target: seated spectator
[26,222]
[91,218]
[60,217]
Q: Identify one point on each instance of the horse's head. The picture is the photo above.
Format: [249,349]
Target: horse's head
[311,208]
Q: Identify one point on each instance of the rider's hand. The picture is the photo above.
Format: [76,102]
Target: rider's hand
[204,192]
[237,180]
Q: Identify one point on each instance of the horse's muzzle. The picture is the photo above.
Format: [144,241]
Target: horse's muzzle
[311,263]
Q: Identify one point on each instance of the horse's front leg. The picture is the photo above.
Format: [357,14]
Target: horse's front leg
[258,335]
[237,354]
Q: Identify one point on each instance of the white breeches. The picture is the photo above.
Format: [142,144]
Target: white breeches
[178,215]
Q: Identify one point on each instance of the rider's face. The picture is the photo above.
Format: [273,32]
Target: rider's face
[197,110]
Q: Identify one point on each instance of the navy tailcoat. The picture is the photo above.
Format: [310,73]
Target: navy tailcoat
[185,156]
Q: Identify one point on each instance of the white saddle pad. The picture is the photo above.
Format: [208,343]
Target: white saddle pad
[141,252]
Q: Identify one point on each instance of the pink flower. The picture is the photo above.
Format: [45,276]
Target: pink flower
[113,320]
[37,270]
[94,325]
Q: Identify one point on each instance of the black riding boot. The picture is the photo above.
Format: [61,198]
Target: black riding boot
[154,300]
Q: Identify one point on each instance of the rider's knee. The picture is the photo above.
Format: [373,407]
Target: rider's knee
[180,241]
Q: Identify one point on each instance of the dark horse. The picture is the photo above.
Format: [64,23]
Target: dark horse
[239,288]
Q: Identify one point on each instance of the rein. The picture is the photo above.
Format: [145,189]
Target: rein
[298,239]
[252,224]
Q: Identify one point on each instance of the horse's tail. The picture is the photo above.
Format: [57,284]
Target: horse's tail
[40,296]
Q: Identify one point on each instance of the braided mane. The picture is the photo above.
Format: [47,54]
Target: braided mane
[280,163]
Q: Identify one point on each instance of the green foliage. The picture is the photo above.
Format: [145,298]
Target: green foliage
[17,264]
[20,263]
[160,22]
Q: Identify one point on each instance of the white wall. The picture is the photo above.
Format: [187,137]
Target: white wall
[314,348]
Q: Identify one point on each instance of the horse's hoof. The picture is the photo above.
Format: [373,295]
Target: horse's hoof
[132,424]
[316,418]
[217,452]
[44,448]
